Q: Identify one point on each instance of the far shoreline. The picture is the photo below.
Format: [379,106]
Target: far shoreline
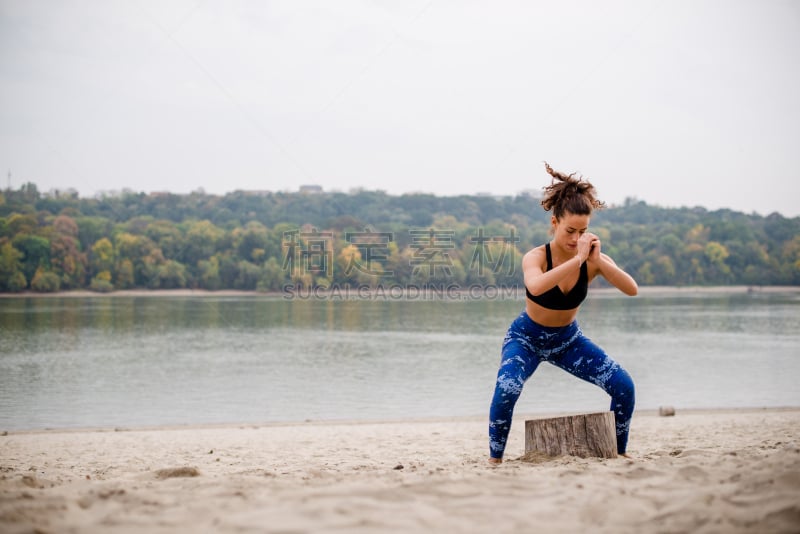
[345,422]
[203,293]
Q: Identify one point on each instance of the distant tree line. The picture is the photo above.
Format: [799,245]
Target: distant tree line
[264,241]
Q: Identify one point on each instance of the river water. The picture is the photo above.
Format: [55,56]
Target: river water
[111,361]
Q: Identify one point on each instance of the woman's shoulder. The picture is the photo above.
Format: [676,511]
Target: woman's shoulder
[536,254]
[536,250]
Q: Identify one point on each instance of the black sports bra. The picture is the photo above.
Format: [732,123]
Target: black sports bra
[554,298]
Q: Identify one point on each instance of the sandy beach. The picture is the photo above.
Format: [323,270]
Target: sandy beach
[698,471]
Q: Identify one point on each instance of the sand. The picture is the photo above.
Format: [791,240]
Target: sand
[699,471]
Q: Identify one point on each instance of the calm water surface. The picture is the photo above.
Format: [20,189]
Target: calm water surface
[113,361]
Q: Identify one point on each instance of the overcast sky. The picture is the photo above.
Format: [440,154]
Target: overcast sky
[677,103]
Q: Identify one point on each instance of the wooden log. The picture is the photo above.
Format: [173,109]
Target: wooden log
[581,435]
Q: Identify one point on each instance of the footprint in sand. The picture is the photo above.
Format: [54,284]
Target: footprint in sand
[694,452]
[176,472]
[642,472]
[693,473]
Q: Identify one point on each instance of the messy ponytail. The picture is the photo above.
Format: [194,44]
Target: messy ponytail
[569,194]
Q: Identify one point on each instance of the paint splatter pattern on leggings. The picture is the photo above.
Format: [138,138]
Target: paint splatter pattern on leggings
[526,345]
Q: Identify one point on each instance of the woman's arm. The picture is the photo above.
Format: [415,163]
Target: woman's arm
[539,281]
[615,276]
[603,264]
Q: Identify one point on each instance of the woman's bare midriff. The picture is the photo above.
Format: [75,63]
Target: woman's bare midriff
[546,317]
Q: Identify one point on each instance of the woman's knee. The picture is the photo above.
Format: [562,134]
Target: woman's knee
[622,385]
[509,384]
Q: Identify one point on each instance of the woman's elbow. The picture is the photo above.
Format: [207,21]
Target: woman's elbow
[626,284]
[633,289]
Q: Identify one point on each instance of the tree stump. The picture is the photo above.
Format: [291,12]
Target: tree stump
[666,411]
[581,435]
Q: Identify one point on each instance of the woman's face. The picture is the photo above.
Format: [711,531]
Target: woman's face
[568,229]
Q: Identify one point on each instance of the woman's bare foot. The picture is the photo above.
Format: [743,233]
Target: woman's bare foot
[626,455]
[495,461]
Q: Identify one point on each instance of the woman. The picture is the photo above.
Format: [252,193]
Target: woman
[557,276]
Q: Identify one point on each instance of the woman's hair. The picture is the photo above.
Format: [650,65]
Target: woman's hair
[569,194]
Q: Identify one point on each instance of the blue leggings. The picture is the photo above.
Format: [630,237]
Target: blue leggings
[526,345]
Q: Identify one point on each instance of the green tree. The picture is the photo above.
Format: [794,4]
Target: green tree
[272,276]
[92,229]
[11,277]
[251,242]
[167,236]
[664,271]
[102,256]
[66,259]
[209,273]
[348,267]
[45,281]
[150,272]
[211,236]
[126,276]
[228,270]
[144,256]
[645,274]
[202,240]
[35,253]
[248,275]
[171,275]
[717,254]
[102,282]
[21,224]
